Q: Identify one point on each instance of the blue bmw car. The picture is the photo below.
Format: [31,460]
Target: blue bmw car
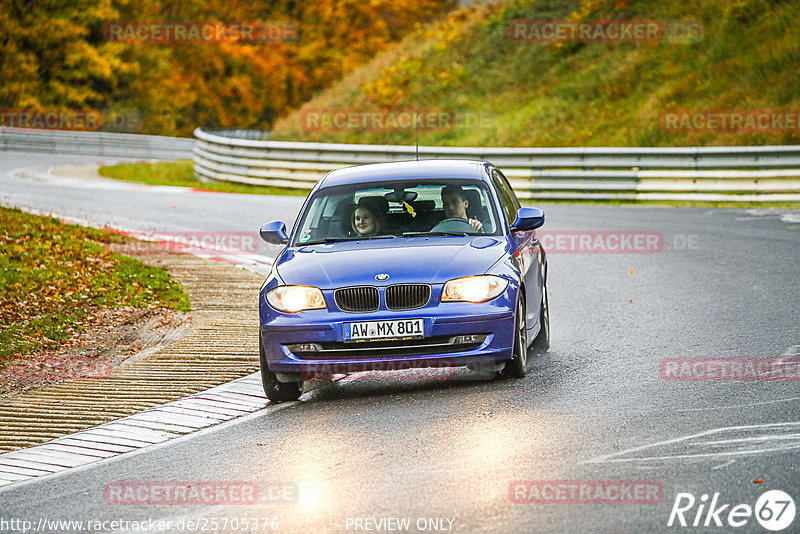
[399,265]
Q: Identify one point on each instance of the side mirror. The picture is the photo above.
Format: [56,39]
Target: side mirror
[528,219]
[274,232]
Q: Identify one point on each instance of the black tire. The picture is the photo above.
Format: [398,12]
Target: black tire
[542,341]
[275,390]
[517,366]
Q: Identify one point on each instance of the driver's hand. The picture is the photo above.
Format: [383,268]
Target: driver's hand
[476,224]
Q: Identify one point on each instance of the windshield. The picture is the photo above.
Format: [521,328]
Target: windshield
[398,209]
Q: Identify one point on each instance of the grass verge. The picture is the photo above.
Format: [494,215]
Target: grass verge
[495,91]
[54,277]
[181,174]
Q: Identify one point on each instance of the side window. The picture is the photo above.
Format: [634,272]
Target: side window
[508,199]
[510,191]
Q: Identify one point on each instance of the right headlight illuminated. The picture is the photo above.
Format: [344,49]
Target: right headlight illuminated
[474,288]
[292,299]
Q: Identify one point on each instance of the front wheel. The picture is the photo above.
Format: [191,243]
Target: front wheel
[275,390]
[542,341]
[517,366]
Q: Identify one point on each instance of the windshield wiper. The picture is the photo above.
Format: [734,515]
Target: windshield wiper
[342,239]
[326,240]
[416,234]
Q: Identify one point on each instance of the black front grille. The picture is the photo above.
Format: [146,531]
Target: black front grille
[357,299]
[407,296]
[395,348]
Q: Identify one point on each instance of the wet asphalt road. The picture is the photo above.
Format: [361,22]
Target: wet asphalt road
[449,454]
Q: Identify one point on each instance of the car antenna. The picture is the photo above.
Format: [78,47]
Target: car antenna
[416,128]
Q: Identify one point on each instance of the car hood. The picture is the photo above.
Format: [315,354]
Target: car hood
[406,260]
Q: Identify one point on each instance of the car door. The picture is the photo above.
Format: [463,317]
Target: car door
[527,251]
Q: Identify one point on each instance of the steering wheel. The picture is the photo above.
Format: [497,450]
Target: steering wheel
[453,224]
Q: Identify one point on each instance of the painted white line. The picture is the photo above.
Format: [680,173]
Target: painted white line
[212,418]
[216,407]
[175,429]
[46,459]
[614,457]
[187,421]
[9,472]
[137,432]
[742,440]
[199,407]
[694,456]
[715,408]
[34,464]
[103,441]
[74,448]
[61,454]
[9,478]
[726,464]
[103,431]
[234,399]
[28,467]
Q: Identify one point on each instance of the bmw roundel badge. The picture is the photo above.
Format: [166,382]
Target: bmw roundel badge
[381,277]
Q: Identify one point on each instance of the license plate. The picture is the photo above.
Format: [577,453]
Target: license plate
[378,330]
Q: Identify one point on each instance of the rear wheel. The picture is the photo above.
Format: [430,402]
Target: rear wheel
[275,390]
[517,366]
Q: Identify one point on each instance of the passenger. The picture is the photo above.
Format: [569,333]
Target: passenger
[456,204]
[367,220]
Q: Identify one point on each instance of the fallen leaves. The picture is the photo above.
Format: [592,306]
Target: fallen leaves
[55,276]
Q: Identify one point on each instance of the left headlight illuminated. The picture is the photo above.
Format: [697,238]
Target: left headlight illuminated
[474,288]
[292,299]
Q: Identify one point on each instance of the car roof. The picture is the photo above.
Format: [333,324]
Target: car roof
[379,172]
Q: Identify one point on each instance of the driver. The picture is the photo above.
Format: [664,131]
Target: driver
[455,205]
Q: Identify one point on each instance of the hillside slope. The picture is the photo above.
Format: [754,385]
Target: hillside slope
[494,91]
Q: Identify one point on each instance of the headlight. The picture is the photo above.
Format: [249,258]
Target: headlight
[474,288]
[293,299]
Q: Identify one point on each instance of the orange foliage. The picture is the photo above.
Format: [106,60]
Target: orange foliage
[58,57]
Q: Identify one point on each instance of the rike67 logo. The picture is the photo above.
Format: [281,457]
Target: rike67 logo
[774,510]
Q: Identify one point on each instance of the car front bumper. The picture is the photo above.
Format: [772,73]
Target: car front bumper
[444,323]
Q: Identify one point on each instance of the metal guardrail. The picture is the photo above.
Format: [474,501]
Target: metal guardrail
[734,174]
[96,143]
[737,174]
